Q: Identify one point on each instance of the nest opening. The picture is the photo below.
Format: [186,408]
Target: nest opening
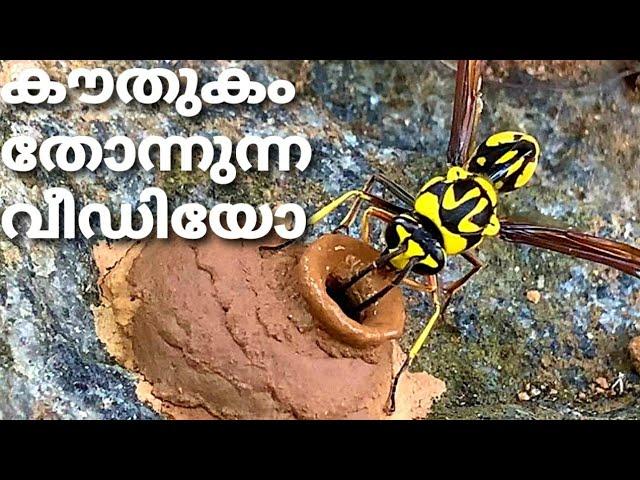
[346,301]
[332,260]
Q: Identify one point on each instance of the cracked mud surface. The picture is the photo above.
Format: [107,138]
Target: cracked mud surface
[218,331]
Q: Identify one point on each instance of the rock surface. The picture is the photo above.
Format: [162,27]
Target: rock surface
[361,117]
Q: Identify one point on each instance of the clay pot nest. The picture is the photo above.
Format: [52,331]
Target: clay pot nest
[219,329]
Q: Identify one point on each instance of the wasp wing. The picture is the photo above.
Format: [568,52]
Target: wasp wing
[466,110]
[580,245]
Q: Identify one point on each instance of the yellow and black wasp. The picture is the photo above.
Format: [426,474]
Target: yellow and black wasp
[453,213]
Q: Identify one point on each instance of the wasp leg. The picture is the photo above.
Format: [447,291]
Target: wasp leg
[280,246]
[366,217]
[385,257]
[433,286]
[430,287]
[383,291]
[380,262]
[451,288]
[396,190]
[364,236]
[435,290]
[331,206]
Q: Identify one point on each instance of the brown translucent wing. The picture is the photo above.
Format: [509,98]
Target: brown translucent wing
[580,245]
[466,110]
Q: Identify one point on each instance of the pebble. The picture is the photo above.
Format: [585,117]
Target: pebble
[602,383]
[533,296]
[523,396]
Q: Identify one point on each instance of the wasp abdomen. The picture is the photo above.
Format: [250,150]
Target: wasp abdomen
[509,159]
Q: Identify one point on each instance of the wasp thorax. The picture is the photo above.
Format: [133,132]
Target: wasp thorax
[508,159]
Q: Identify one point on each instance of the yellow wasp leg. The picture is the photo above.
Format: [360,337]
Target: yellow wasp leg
[327,209]
[391,402]
[399,192]
[366,217]
[425,332]
[351,215]
[432,288]
[360,195]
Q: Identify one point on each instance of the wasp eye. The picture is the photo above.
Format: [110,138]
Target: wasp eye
[508,159]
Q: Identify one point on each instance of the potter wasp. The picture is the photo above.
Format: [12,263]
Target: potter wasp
[452,214]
